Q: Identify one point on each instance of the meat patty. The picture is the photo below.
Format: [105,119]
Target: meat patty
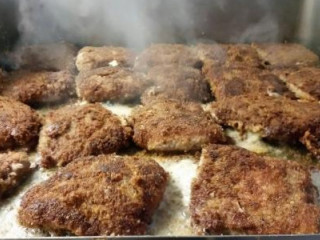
[80,130]
[48,57]
[274,118]
[20,125]
[178,82]
[238,191]
[227,55]
[166,54]
[38,87]
[97,195]
[14,168]
[171,125]
[110,84]
[303,81]
[288,54]
[228,82]
[95,57]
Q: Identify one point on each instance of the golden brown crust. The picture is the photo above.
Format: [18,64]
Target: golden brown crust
[287,54]
[102,195]
[110,84]
[89,58]
[228,82]
[177,82]
[171,125]
[237,191]
[274,118]
[38,87]
[166,54]
[227,55]
[80,130]
[48,57]
[303,81]
[20,125]
[14,168]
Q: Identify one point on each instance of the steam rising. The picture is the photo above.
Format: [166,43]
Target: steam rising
[137,23]
[121,22]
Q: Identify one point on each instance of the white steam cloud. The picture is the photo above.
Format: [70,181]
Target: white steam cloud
[137,23]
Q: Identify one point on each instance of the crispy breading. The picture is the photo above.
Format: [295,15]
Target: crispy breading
[89,58]
[19,125]
[178,82]
[215,52]
[238,191]
[164,54]
[303,81]
[286,54]
[274,118]
[227,55]
[80,130]
[38,87]
[14,168]
[49,57]
[228,82]
[110,84]
[97,195]
[171,125]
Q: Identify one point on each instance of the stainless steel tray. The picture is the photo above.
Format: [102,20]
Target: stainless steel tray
[85,22]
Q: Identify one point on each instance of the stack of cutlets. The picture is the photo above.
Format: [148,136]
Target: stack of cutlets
[184,97]
[94,191]
[270,89]
[171,118]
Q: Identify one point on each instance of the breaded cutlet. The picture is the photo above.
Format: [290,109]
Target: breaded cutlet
[227,55]
[14,168]
[240,192]
[19,125]
[111,84]
[80,130]
[174,126]
[303,81]
[178,82]
[97,195]
[274,118]
[286,54]
[166,54]
[228,82]
[48,57]
[89,57]
[38,87]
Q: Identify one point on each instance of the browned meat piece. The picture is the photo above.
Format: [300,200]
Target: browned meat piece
[80,130]
[166,54]
[102,195]
[178,82]
[274,118]
[19,125]
[228,82]
[303,81]
[110,84]
[14,168]
[171,125]
[288,54]
[38,87]
[217,53]
[49,57]
[95,57]
[239,192]
[227,55]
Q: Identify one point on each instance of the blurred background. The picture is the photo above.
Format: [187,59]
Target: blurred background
[137,23]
